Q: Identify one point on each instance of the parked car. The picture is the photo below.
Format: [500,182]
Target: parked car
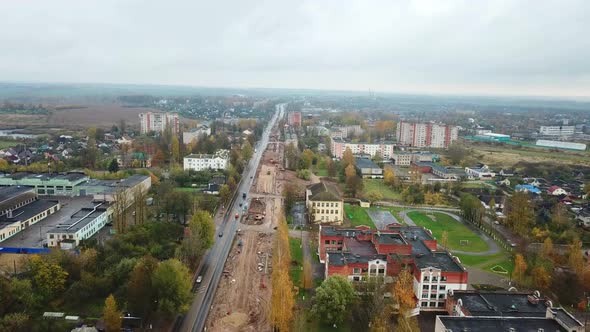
[199,279]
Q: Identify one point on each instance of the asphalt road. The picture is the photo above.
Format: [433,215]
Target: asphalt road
[214,261]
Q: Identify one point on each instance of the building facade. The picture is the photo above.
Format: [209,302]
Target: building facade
[324,203]
[339,146]
[195,134]
[199,162]
[360,253]
[426,135]
[404,158]
[50,184]
[557,130]
[158,122]
[368,169]
[81,226]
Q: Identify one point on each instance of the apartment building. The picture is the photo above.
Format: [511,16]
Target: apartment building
[294,119]
[339,146]
[158,122]
[198,162]
[427,135]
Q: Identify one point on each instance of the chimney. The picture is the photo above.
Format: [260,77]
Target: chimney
[9,215]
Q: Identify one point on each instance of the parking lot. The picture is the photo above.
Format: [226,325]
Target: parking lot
[34,236]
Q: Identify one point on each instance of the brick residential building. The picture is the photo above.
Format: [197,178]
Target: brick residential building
[339,146]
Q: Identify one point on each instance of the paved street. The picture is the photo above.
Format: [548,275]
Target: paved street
[212,266]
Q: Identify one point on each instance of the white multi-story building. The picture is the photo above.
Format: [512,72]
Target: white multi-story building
[198,162]
[339,146]
[196,133]
[429,135]
[158,122]
[81,226]
[557,130]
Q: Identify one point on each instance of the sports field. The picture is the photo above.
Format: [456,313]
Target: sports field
[460,237]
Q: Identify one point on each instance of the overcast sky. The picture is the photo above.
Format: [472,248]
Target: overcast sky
[530,47]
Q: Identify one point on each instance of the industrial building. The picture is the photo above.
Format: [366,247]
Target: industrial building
[82,225]
[50,184]
[557,130]
[368,169]
[20,208]
[561,145]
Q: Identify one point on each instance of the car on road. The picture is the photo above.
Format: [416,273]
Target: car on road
[199,279]
[244,195]
[220,234]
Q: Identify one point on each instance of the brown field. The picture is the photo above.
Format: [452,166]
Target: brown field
[91,115]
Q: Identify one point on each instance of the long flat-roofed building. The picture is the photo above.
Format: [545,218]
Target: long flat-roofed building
[81,226]
[20,208]
[50,184]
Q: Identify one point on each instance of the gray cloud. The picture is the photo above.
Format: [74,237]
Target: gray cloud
[453,46]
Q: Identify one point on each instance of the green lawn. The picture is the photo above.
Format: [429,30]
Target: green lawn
[378,185]
[456,231]
[189,189]
[503,260]
[357,216]
[7,144]
[296,256]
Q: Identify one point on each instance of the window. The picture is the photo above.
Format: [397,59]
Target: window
[340,242]
[372,271]
[434,279]
[443,278]
[356,270]
[442,296]
[426,278]
[433,296]
[51,236]
[425,287]
[443,287]
[333,241]
[424,304]
[327,242]
[432,304]
[441,304]
[356,278]
[424,295]
[381,271]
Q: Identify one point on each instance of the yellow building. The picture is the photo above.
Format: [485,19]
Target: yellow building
[324,203]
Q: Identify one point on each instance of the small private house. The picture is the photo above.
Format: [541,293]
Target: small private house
[368,169]
[482,172]
[324,203]
[527,188]
[557,191]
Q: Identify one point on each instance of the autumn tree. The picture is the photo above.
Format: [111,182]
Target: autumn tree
[113,166]
[120,205]
[247,150]
[471,208]
[282,297]
[290,196]
[389,176]
[576,260]
[48,278]
[559,216]
[350,171]
[333,299]
[331,167]
[521,215]
[374,196]
[347,158]
[172,283]
[547,248]
[520,267]
[307,158]
[175,149]
[457,153]
[541,277]
[291,156]
[139,204]
[354,185]
[403,294]
[4,165]
[224,194]
[140,291]
[200,237]
[111,315]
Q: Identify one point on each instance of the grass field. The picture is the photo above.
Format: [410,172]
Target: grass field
[7,144]
[357,215]
[488,262]
[189,189]
[456,231]
[378,185]
[296,272]
[506,155]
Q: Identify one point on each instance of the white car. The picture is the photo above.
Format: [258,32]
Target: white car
[199,279]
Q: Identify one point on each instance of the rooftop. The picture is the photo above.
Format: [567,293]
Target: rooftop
[440,260]
[390,238]
[341,259]
[512,304]
[26,212]
[365,163]
[324,191]
[47,176]
[359,248]
[8,193]
[80,219]
[497,324]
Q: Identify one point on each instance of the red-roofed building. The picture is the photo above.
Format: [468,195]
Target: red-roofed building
[557,191]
